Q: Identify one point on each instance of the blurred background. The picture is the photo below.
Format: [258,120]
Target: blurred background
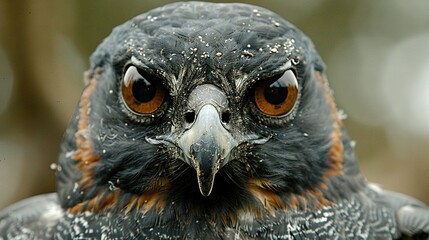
[377,54]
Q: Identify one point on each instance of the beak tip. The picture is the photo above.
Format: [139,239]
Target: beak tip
[205,183]
[204,193]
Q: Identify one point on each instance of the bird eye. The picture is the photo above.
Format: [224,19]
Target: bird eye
[277,96]
[141,93]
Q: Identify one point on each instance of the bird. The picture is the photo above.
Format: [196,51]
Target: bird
[210,121]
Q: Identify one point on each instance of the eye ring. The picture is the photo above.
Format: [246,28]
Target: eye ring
[142,93]
[277,96]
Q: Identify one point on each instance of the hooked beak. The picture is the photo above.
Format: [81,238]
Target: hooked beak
[206,146]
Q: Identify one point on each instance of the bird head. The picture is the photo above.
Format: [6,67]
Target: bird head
[214,106]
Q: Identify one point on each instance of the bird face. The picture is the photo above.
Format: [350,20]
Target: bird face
[184,107]
[210,121]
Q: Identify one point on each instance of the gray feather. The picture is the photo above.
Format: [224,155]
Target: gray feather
[412,216]
[32,218]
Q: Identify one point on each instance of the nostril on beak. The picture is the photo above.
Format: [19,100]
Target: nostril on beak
[190,117]
[226,117]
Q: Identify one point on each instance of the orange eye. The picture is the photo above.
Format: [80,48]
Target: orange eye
[142,94]
[277,96]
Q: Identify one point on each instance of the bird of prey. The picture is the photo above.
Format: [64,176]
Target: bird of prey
[210,121]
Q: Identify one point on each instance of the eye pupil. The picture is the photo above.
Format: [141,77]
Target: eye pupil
[143,90]
[276,92]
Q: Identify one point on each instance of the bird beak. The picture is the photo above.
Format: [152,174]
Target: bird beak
[206,146]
